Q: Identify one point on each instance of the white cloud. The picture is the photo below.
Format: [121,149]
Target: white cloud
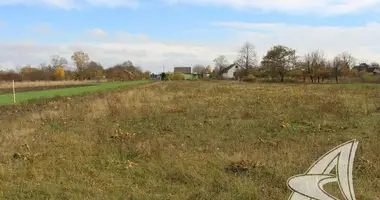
[362,41]
[150,54]
[97,32]
[320,7]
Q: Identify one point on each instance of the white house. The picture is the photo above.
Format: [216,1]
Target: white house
[228,72]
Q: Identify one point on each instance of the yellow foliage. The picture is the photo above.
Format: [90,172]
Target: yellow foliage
[208,69]
[59,72]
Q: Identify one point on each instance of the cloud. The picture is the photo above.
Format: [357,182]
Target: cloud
[152,54]
[97,32]
[73,4]
[360,40]
[320,7]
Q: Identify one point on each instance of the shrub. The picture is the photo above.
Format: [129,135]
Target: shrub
[59,73]
[249,78]
[177,76]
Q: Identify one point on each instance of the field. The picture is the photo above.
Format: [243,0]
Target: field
[178,140]
[28,92]
[31,84]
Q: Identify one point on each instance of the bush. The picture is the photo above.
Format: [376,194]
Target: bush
[249,78]
[176,76]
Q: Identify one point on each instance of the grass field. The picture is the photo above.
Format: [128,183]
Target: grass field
[8,98]
[175,140]
[42,83]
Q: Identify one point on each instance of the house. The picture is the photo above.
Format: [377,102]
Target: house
[376,72]
[365,67]
[155,76]
[229,72]
[184,70]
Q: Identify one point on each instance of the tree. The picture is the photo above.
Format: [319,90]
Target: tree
[199,69]
[375,65]
[94,71]
[342,64]
[146,75]
[220,64]
[208,69]
[47,72]
[58,61]
[347,59]
[279,59]
[247,57]
[124,71]
[81,60]
[315,65]
[59,73]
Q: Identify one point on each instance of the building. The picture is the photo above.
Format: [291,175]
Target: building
[229,72]
[184,70]
[376,72]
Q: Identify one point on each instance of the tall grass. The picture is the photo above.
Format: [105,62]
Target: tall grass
[186,140]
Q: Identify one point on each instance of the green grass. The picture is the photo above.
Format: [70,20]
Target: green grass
[183,135]
[371,77]
[188,76]
[20,97]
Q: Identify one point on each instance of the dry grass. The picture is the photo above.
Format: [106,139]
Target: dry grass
[187,140]
[41,83]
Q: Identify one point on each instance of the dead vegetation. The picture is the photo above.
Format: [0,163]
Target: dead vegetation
[186,140]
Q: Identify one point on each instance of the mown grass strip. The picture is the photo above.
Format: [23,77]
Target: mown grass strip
[8,98]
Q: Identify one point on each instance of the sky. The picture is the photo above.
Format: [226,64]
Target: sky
[157,34]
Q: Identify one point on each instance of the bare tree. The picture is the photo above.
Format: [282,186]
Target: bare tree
[221,63]
[247,57]
[315,63]
[342,63]
[347,59]
[336,63]
[375,65]
[58,61]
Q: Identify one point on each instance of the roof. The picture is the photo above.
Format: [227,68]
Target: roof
[226,69]
[185,70]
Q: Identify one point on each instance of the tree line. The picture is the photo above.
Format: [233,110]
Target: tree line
[85,69]
[281,61]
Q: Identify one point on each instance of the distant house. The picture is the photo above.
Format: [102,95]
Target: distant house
[376,72]
[365,67]
[155,76]
[185,70]
[229,72]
